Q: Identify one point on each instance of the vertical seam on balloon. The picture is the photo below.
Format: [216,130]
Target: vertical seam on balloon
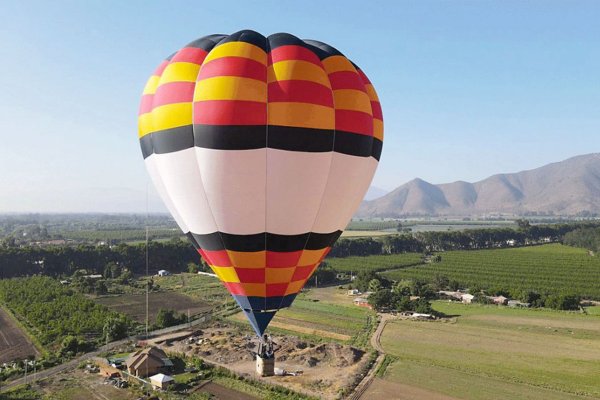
[325,186]
[196,155]
[268,51]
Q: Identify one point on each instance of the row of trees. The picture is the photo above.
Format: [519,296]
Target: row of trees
[588,238]
[392,295]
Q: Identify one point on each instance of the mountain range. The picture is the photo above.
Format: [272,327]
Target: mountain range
[569,187]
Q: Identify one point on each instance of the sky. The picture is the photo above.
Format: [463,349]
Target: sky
[468,88]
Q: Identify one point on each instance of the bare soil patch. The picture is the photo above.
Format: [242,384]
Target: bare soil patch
[325,368]
[14,343]
[134,305]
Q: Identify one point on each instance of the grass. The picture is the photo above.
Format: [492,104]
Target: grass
[491,352]
[549,268]
[323,314]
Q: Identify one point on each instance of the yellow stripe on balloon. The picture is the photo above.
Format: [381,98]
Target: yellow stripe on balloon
[226,274]
[303,115]
[180,72]
[145,124]
[279,275]
[294,287]
[151,85]
[165,117]
[351,99]
[378,129]
[255,289]
[337,63]
[237,49]
[310,257]
[230,88]
[243,259]
[297,70]
[371,92]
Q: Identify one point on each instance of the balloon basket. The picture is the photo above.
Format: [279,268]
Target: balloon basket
[265,366]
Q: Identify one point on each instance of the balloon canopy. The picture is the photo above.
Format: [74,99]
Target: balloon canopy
[262,149]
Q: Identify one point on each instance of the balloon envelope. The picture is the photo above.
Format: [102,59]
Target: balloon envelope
[262,149]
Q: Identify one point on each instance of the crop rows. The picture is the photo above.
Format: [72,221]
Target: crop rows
[374,263]
[547,269]
[371,225]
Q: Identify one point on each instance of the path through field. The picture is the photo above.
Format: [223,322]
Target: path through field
[14,344]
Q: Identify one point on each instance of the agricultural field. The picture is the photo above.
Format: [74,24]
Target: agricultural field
[490,352]
[199,287]
[374,263]
[14,343]
[323,314]
[548,268]
[134,305]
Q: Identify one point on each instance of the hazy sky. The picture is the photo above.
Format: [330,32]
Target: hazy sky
[468,89]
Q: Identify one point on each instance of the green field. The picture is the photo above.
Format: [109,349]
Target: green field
[325,313]
[374,263]
[548,269]
[490,352]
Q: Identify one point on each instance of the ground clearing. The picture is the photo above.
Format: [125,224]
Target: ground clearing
[488,352]
[14,343]
[134,305]
[326,368]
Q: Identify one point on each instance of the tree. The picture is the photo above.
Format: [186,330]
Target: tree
[403,287]
[193,268]
[115,328]
[422,306]
[374,285]
[440,282]
[166,318]
[381,299]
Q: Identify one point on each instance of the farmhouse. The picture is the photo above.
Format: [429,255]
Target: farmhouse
[148,362]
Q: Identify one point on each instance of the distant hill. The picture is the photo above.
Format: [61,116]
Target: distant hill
[568,187]
[375,192]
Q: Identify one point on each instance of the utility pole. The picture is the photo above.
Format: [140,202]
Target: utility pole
[26,364]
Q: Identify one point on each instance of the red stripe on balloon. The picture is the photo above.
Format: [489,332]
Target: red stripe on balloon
[354,121]
[230,112]
[147,104]
[233,66]
[376,107]
[218,258]
[276,289]
[302,273]
[235,288]
[251,275]
[346,80]
[300,91]
[174,92]
[293,52]
[284,259]
[190,54]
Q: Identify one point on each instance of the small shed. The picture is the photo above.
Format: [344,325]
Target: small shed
[362,302]
[161,381]
[500,300]
[163,272]
[467,298]
[353,292]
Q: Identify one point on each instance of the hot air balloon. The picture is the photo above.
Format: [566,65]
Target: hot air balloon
[262,149]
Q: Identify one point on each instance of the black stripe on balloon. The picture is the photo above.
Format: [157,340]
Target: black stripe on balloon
[248,137]
[285,39]
[168,140]
[322,50]
[256,242]
[248,36]
[206,43]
